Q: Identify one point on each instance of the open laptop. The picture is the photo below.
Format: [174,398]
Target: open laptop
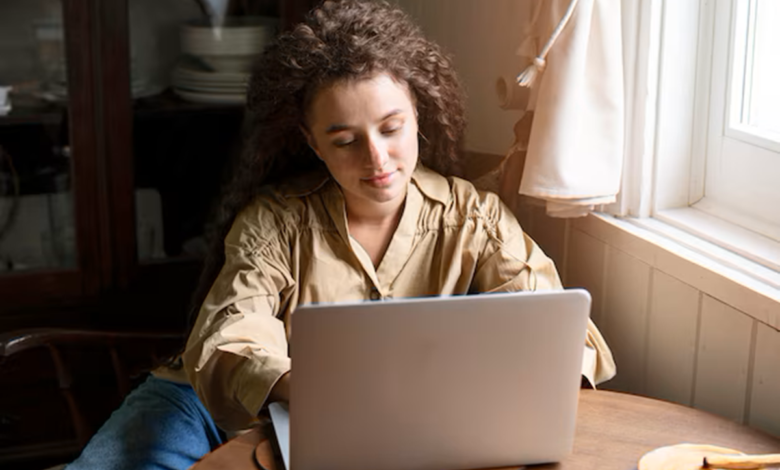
[461,382]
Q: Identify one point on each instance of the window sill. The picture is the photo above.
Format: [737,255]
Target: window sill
[748,252]
[723,275]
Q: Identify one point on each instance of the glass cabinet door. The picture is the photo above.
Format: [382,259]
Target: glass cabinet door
[37,223]
[50,245]
[118,119]
[189,64]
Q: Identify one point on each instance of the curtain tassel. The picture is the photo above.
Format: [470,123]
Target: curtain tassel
[528,76]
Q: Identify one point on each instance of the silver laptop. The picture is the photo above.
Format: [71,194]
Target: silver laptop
[462,382]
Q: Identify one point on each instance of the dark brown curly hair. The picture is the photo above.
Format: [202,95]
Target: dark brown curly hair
[339,40]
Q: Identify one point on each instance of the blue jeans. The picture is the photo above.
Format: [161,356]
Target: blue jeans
[160,425]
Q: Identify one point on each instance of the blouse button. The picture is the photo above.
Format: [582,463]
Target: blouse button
[374,294]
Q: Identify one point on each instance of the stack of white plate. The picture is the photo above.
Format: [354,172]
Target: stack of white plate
[204,86]
[225,54]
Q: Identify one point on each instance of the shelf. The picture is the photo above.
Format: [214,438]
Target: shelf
[165,104]
[43,113]
[168,104]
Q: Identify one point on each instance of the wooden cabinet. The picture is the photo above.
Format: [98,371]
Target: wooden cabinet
[106,180]
[106,175]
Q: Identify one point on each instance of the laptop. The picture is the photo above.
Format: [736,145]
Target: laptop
[461,382]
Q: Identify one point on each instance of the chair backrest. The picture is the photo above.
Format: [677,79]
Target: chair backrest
[91,370]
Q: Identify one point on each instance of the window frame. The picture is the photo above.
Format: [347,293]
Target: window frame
[735,129]
[668,89]
[728,144]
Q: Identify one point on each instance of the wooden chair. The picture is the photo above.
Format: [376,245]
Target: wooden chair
[76,357]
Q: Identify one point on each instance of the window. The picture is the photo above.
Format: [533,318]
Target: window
[742,155]
[703,120]
[755,91]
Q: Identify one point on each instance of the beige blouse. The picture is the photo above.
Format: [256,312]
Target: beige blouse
[291,246]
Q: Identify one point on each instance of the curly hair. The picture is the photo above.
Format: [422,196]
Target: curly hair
[340,40]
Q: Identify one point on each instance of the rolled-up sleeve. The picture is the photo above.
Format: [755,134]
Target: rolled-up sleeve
[238,348]
[511,261]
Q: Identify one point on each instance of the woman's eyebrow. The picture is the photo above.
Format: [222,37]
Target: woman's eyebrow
[392,113]
[334,128]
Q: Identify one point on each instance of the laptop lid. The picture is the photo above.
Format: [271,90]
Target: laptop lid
[460,382]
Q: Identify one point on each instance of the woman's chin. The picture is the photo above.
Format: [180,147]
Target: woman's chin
[383,195]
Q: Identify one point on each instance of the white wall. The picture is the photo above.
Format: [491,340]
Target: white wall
[482,36]
[678,331]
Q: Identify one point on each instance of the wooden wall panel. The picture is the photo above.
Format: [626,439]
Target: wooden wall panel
[585,268]
[550,235]
[764,410]
[624,323]
[723,359]
[672,333]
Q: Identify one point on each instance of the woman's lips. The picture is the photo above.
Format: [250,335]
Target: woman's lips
[380,180]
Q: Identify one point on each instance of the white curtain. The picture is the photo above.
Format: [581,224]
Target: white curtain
[568,150]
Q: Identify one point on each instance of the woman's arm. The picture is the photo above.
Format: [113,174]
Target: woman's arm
[281,390]
[237,351]
[512,261]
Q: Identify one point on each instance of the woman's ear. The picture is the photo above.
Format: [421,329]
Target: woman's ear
[310,141]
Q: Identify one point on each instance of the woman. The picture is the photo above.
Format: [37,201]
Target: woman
[346,191]
[367,115]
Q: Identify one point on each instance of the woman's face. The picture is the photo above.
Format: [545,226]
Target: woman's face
[366,133]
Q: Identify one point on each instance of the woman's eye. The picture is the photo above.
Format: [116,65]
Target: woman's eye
[343,143]
[391,130]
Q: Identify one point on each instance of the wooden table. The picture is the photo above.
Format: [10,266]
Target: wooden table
[613,431]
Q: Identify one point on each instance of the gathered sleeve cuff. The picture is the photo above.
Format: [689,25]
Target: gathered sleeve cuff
[238,348]
[597,363]
[234,368]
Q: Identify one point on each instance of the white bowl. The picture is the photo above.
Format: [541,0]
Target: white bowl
[229,63]
[237,36]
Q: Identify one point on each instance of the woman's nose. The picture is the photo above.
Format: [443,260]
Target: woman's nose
[376,153]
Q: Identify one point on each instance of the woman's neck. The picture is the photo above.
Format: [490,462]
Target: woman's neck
[372,213]
[374,228]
